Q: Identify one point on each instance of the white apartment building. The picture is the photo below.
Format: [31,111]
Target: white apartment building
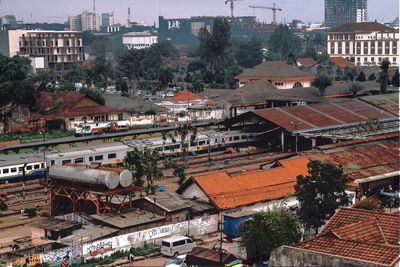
[364,44]
[86,21]
[59,49]
[139,40]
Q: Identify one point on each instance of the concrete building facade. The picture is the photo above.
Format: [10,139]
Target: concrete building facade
[86,21]
[139,40]
[364,44]
[338,12]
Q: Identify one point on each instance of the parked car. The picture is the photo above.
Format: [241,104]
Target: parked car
[178,261]
[177,245]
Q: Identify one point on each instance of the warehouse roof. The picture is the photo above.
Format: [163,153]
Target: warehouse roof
[274,69]
[308,117]
[227,191]
[136,104]
[169,202]
[128,219]
[388,102]
[359,234]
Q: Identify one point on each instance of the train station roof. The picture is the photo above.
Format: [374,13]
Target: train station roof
[315,116]
[388,102]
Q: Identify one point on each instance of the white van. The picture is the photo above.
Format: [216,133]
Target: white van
[177,245]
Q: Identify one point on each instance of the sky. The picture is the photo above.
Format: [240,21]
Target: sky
[147,11]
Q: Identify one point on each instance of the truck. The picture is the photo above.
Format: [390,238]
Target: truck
[233,220]
[98,127]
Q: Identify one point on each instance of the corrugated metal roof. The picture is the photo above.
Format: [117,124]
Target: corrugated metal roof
[226,191]
[274,69]
[388,102]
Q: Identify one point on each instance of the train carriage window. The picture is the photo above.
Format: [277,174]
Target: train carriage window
[13,169]
[42,165]
[202,143]
[216,140]
[112,156]
[244,137]
[79,160]
[29,167]
[36,166]
[90,158]
[66,161]
[52,162]
[98,157]
[21,169]
[6,171]
[193,144]
[208,142]
[236,138]
[230,138]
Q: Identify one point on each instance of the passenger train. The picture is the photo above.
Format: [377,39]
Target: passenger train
[21,166]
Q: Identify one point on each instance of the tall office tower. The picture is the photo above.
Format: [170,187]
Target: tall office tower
[338,12]
[108,19]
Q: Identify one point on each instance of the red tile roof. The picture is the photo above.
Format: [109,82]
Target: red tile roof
[186,95]
[359,234]
[226,191]
[307,62]
[341,62]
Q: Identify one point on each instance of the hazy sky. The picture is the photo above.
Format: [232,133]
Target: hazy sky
[149,10]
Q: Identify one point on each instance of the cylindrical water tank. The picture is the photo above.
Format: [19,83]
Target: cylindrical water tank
[125,176]
[83,174]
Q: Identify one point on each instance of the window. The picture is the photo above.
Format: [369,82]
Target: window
[36,166]
[52,162]
[29,167]
[66,161]
[394,59]
[202,143]
[165,244]
[112,156]
[120,117]
[6,171]
[42,165]
[189,241]
[79,160]
[297,85]
[13,169]
[387,48]
[90,158]
[21,169]
[99,157]
[178,243]
[235,138]
[372,59]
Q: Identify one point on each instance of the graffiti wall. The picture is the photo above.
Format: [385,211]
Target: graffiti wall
[105,247]
[63,257]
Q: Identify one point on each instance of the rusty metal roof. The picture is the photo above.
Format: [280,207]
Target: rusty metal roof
[327,114]
[388,102]
[362,160]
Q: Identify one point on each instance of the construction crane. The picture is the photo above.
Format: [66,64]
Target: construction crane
[232,4]
[274,9]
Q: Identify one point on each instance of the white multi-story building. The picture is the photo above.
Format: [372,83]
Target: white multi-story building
[109,19]
[139,40]
[364,44]
[86,21]
[56,49]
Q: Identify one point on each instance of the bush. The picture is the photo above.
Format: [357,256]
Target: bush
[371,203]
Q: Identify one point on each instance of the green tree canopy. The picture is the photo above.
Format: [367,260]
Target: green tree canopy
[95,95]
[384,75]
[19,92]
[322,82]
[268,230]
[320,193]
[15,68]
[248,54]
[282,41]
[395,79]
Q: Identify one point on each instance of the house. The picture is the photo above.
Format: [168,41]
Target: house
[67,110]
[352,237]
[255,190]
[278,73]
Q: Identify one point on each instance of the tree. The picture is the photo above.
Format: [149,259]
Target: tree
[133,161]
[95,95]
[213,46]
[371,77]
[384,75]
[370,203]
[76,74]
[14,68]
[320,193]
[197,81]
[395,79]
[361,77]
[322,82]
[355,87]
[268,230]
[249,54]
[282,41]
[19,92]
[121,85]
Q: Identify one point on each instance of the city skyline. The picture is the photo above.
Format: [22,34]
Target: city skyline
[148,11]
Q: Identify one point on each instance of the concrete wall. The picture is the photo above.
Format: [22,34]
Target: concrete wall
[290,256]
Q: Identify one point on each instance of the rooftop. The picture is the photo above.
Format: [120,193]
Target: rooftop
[128,219]
[186,95]
[135,104]
[388,102]
[362,27]
[315,116]
[274,69]
[341,62]
[227,191]
[359,234]
[306,62]
[169,202]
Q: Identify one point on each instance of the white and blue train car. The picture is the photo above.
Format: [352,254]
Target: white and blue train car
[21,167]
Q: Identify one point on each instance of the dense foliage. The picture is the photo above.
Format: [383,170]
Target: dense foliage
[320,193]
[322,82]
[370,203]
[282,41]
[384,75]
[268,230]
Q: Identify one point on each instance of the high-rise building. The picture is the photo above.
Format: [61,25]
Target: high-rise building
[86,21]
[108,19]
[338,12]
[8,22]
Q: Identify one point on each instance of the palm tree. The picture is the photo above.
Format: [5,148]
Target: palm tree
[151,169]
[133,161]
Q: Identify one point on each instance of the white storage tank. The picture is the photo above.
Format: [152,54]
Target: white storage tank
[125,176]
[85,175]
